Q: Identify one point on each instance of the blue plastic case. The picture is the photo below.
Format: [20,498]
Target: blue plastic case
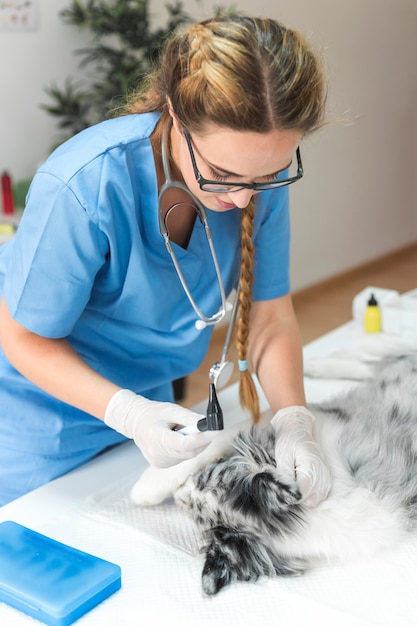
[51,581]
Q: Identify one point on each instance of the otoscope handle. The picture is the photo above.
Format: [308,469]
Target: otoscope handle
[213,419]
[214,413]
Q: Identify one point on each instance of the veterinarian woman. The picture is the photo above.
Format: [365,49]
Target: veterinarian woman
[95,323]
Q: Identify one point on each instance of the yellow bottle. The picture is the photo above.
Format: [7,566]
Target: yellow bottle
[372,320]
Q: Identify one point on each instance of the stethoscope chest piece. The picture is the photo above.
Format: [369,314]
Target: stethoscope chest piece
[220,373]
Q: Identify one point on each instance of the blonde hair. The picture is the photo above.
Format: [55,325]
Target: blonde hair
[242,73]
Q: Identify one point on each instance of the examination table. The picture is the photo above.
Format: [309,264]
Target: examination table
[89,509]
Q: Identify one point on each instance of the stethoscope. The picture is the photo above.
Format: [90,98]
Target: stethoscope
[221,371]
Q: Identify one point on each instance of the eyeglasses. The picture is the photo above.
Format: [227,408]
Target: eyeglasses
[204,320]
[215,186]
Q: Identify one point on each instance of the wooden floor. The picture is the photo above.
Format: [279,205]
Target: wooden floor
[321,308]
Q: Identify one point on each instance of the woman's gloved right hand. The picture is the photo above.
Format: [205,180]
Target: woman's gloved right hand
[152,426]
[298,455]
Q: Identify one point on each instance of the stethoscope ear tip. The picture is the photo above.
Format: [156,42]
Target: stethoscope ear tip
[200,325]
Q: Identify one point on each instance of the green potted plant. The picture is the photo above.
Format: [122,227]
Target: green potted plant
[121,53]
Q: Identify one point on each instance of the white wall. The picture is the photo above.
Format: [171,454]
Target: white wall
[358,199]
[31,61]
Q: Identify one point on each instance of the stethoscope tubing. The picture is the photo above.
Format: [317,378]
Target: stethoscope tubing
[222,367]
[202,214]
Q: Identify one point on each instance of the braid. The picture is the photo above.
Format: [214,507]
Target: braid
[247,392]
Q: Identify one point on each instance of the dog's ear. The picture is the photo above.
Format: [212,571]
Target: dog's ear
[258,495]
[234,555]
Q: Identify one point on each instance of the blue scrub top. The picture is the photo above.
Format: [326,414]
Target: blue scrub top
[88,263]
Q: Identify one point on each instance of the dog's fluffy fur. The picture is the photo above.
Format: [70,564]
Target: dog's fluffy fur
[255,525]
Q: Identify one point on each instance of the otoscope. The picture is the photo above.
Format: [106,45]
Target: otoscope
[213,419]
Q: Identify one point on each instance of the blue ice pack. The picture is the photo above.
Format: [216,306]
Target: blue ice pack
[51,581]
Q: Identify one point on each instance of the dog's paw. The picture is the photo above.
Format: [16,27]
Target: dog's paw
[152,488]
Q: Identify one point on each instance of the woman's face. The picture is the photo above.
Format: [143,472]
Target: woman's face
[226,155]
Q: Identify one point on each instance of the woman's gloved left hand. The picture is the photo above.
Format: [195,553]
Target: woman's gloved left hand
[298,456]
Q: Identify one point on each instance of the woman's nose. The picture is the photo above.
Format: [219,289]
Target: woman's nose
[242,197]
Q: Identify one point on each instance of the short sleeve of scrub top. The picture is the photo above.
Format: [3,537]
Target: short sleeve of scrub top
[272,245]
[54,269]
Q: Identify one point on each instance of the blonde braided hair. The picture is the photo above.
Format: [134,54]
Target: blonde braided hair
[248,395]
[241,73]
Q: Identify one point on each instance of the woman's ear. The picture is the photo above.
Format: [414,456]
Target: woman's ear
[175,122]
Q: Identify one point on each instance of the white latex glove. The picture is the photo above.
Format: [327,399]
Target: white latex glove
[298,456]
[150,424]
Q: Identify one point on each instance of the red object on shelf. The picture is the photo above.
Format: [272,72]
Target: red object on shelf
[6,189]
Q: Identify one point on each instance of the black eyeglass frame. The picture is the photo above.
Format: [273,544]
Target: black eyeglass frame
[230,186]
